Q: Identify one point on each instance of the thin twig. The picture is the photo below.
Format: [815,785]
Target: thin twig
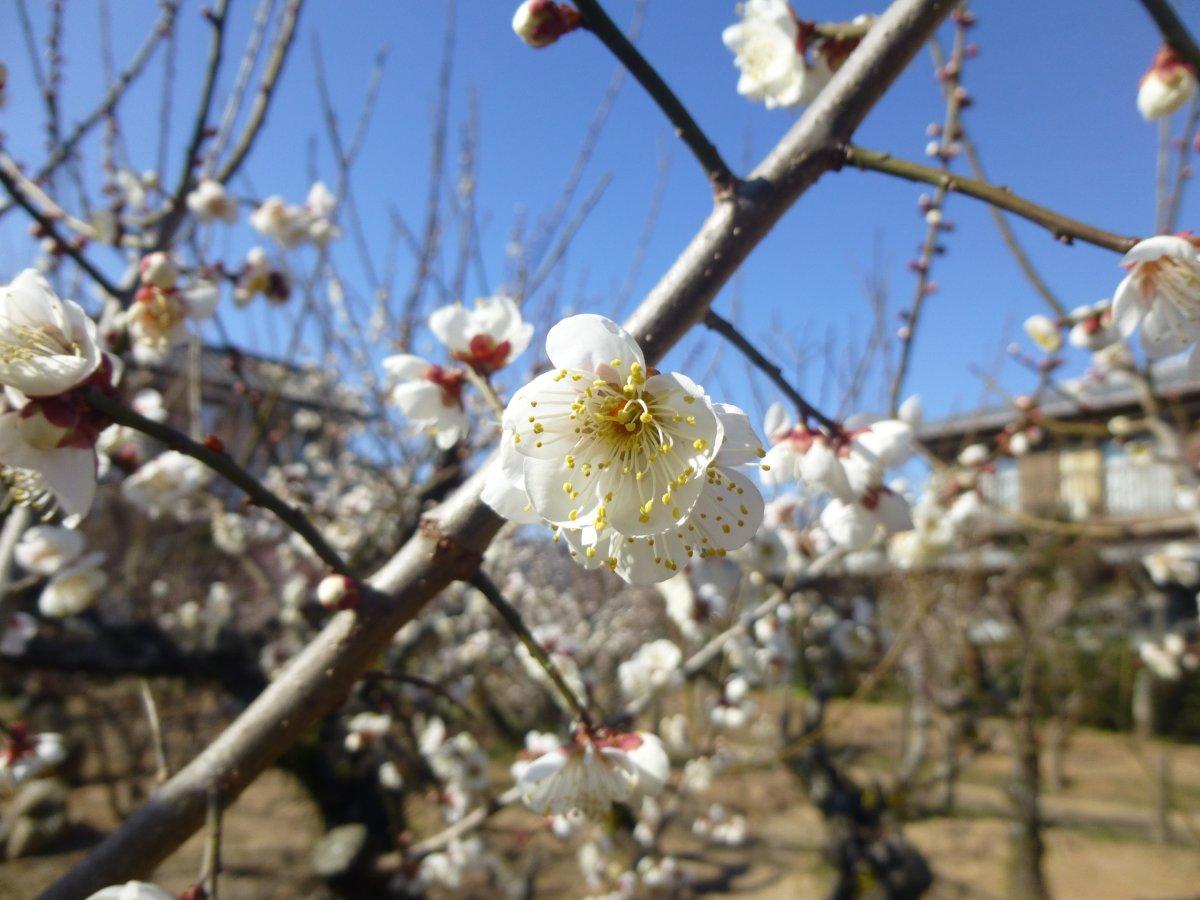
[224,466]
[1065,229]
[596,20]
[161,771]
[806,410]
[512,618]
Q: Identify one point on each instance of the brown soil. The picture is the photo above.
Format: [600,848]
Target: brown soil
[1098,842]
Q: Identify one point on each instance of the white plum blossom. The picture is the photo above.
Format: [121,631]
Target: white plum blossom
[430,396]
[132,890]
[26,755]
[766,52]
[366,729]
[74,588]
[593,772]
[164,483]
[655,667]
[1161,293]
[1044,332]
[1168,84]
[286,225]
[321,206]
[1093,327]
[47,345]
[1176,562]
[209,202]
[849,466]
[635,469]
[16,631]
[45,549]
[486,337]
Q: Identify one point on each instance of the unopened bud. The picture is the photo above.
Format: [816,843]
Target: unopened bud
[539,23]
[337,592]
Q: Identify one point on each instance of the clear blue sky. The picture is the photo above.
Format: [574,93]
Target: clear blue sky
[1054,117]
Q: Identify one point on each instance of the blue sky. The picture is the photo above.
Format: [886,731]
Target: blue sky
[1054,118]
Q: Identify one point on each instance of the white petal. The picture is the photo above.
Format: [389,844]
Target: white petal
[591,343]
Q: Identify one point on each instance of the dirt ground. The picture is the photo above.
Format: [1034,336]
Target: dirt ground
[1098,841]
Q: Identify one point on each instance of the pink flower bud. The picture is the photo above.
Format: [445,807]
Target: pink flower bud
[539,23]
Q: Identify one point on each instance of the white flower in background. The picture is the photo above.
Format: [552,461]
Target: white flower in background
[74,588]
[132,890]
[286,225]
[161,485]
[1161,293]
[430,396]
[773,68]
[259,276]
[321,206]
[1168,84]
[1176,562]
[44,549]
[366,729]
[18,629]
[132,188]
[486,337]
[636,469]
[1044,332]
[974,455]
[47,345]
[850,467]
[540,23]
[1093,329]
[655,667]
[594,772]
[911,413]
[1160,659]
[26,755]
[159,269]
[209,203]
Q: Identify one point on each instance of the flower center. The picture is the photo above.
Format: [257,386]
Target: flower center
[28,342]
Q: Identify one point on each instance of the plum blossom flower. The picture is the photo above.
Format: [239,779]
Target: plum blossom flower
[365,729]
[767,52]
[850,467]
[1161,293]
[655,667]
[285,225]
[593,772]
[209,202]
[45,549]
[1167,85]
[47,345]
[539,23]
[488,337]
[635,469]
[74,588]
[132,890]
[430,396]
[1093,329]
[16,631]
[1178,561]
[162,484]
[259,276]
[1043,331]
[26,755]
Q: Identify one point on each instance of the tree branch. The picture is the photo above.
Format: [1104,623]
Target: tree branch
[224,466]
[1174,32]
[1065,229]
[452,539]
[596,20]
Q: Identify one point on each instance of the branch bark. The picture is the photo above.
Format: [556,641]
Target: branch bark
[1063,228]
[452,539]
